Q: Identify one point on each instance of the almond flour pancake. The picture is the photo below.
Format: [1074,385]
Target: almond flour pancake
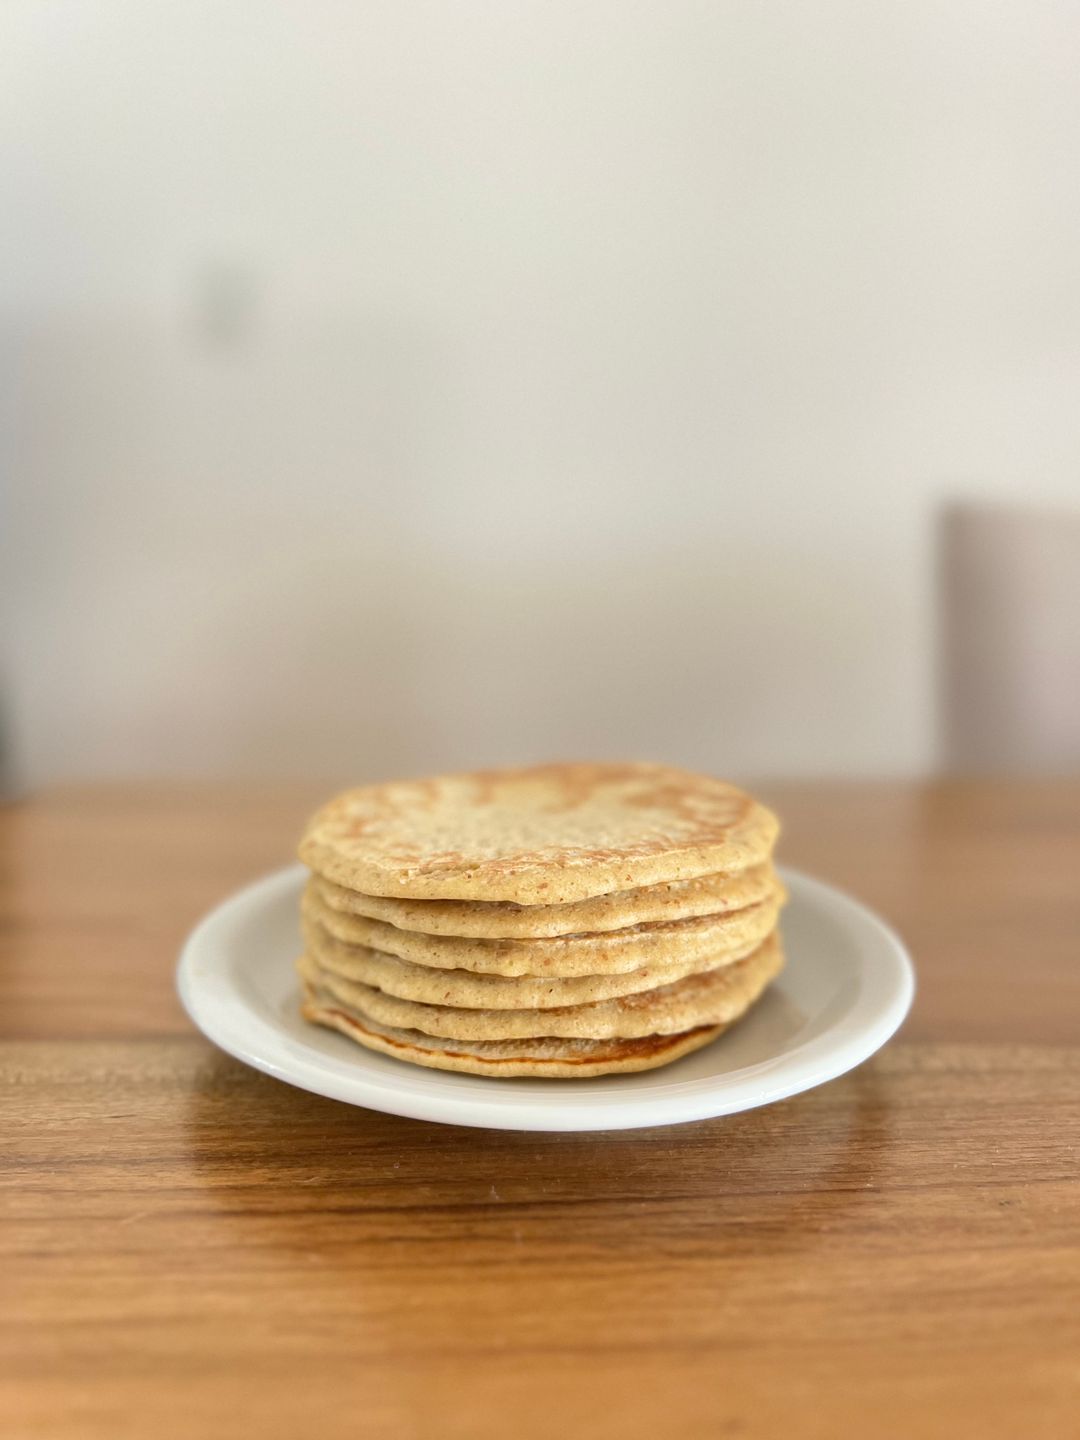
[546,835]
[715,998]
[560,920]
[502,919]
[466,989]
[703,939]
[544,1058]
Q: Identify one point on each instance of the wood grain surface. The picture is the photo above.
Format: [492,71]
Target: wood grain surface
[192,1249]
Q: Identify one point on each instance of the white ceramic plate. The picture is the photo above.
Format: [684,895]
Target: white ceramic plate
[847,985]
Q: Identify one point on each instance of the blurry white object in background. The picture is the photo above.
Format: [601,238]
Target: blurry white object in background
[1011,636]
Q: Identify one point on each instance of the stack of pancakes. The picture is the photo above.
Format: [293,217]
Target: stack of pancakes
[562,920]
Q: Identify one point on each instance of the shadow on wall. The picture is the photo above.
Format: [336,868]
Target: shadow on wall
[1010,639]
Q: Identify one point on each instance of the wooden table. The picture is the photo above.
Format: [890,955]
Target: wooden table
[192,1249]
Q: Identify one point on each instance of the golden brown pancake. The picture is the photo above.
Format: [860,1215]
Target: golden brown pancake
[544,1058]
[560,920]
[547,835]
[467,989]
[704,937]
[715,998]
[502,919]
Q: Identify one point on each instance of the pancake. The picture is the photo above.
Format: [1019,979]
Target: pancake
[715,998]
[702,938]
[547,835]
[466,989]
[501,919]
[542,1058]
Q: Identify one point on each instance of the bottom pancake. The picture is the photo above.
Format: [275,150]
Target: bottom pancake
[543,1057]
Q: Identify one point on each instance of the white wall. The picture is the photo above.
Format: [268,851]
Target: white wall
[393,385]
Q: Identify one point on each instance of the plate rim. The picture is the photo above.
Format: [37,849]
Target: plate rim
[816,1061]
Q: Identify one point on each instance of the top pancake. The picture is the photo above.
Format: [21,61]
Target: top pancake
[547,835]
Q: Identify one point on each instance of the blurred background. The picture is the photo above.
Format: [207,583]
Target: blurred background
[389,387]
